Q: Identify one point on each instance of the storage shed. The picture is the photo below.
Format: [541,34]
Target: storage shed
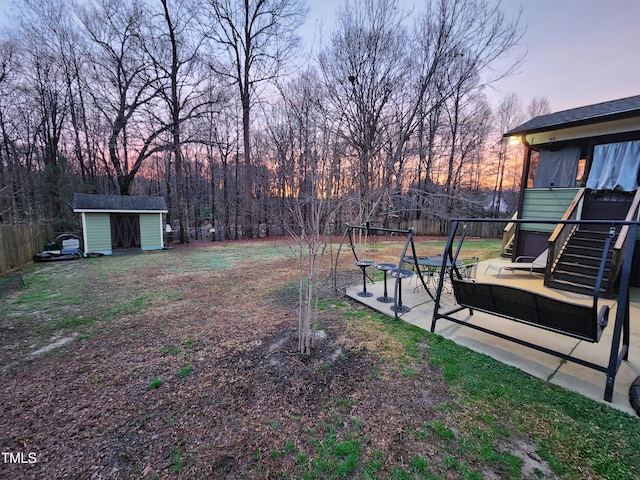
[112,222]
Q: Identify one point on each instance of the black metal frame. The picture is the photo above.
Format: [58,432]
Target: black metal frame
[620,341]
[372,231]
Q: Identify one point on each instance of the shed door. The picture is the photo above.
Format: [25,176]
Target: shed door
[125,230]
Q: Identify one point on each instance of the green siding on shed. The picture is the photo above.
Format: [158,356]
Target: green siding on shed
[97,232]
[151,231]
[545,203]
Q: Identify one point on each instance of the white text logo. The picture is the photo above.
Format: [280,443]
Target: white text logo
[19,457]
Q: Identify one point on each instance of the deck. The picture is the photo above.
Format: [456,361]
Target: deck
[548,368]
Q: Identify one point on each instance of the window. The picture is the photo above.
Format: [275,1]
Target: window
[615,167]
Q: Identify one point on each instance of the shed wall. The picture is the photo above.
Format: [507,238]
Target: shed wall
[97,232]
[151,231]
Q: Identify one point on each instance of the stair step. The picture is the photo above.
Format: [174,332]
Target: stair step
[588,242]
[579,278]
[590,232]
[593,249]
[508,253]
[582,259]
[579,267]
[573,287]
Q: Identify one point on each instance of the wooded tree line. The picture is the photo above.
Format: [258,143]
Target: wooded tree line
[218,106]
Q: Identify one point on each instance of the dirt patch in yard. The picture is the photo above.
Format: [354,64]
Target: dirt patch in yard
[203,381]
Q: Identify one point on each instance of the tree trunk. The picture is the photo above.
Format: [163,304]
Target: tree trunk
[248,174]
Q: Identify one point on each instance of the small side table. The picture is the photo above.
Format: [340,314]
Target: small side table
[384,268]
[363,264]
[400,274]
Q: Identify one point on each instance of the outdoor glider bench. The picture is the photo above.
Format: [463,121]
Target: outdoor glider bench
[579,320]
[585,322]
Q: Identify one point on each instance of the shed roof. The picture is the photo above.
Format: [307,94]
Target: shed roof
[85,202]
[599,112]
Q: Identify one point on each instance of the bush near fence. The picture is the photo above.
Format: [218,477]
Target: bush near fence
[19,243]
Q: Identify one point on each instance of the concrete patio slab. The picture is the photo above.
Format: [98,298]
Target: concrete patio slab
[569,375]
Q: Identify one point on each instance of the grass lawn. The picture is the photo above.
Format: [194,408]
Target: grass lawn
[183,364]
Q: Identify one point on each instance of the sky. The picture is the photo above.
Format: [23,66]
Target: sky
[577,52]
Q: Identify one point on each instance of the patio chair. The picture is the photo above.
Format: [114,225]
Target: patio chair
[537,264]
[469,267]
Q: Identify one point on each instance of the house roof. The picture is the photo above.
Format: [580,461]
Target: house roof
[85,202]
[600,112]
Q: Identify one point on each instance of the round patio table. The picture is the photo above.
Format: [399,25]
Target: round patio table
[431,266]
[430,262]
[384,268]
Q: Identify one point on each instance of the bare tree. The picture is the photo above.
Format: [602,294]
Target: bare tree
[258,38]
[298,128]
[9,179]
[364,68]
[183,99]
[108,84]
[48,93]
[508,115]
[123,85]
[387,85]
[538,106]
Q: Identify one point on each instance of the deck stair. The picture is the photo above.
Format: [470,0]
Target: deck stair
[508,250]
[577,267]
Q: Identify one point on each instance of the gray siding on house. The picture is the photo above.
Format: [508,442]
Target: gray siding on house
[151,231]
[97,232]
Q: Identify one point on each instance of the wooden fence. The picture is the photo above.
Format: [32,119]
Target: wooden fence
[18,244]
[440,228]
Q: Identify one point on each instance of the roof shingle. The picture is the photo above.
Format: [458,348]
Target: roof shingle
[86,201]
[623,107]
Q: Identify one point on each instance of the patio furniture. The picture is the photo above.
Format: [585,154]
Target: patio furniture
[364,264]
[400,274]
[469,267]
[582,321]
[367,229]
[427,266]
[585,322]
[430,267]
[384,268]
[537,264]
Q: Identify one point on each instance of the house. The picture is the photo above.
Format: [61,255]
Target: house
[495,203]
[579,164]
[120,222]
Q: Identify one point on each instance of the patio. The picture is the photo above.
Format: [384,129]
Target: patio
[568,375]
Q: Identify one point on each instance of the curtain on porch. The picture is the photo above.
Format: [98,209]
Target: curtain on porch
[615,167]
[557,169]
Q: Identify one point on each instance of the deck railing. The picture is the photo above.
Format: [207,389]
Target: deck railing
[508,235]
[620,246]
[562,233]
